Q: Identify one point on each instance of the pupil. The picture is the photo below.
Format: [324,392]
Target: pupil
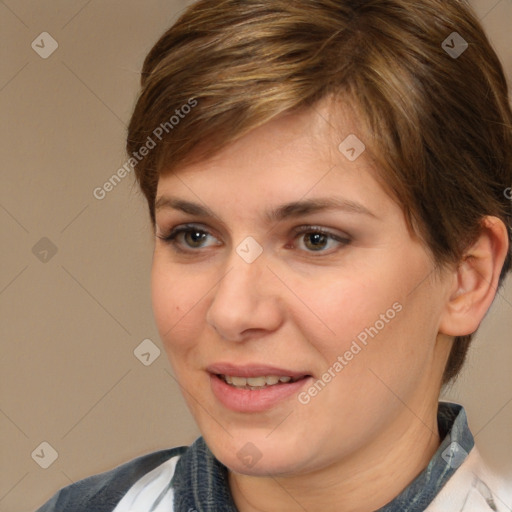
[317,240]
[196,237]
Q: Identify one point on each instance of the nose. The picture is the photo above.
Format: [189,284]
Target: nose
[245,301]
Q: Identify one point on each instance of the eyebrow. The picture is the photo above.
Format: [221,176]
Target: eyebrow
[288,210]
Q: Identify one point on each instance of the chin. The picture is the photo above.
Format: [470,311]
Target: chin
[262,468]
[259,456]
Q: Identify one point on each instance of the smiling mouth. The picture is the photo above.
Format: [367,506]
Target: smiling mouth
[255,383]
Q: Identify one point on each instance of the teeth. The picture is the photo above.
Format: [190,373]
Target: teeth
[255,382]
[238,381]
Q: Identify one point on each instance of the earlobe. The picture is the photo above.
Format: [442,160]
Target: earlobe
[476,280]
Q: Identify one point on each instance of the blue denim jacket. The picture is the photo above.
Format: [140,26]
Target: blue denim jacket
[200,481]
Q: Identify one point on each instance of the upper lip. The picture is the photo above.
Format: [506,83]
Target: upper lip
[253,370]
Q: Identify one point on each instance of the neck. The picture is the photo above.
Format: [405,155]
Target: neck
[364,482]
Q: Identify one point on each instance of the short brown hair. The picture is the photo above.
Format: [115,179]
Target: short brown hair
[437,124]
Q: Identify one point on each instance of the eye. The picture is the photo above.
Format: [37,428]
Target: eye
[188,237]
[315,239]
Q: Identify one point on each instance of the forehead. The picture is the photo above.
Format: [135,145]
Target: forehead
[292,141]
[321,126]
[304,155]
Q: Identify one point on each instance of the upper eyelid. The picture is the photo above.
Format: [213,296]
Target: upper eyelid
[191,226]
[319,229]
[296,230]
[183,226]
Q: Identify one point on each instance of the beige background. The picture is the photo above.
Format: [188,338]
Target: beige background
[70,325]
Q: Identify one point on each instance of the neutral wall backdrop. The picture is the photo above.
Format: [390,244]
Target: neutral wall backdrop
[74,281]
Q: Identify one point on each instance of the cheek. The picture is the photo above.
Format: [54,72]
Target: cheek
[339,309]
[176,305]
[166,307]
[371,320]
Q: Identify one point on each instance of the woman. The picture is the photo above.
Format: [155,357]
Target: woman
[327,184]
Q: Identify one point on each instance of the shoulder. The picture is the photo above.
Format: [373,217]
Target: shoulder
[474,487]
[103,492]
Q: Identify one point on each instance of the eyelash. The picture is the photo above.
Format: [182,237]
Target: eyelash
[171,238]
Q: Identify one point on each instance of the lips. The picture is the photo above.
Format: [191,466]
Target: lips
[254,370]
[254,388]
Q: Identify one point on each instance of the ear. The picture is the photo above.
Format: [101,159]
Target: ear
[475,280]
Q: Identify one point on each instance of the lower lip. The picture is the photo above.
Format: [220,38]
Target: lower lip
[258,400]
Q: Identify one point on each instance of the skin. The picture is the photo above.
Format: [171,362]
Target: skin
[360,441]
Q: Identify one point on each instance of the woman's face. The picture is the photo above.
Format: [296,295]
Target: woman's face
[294,264]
